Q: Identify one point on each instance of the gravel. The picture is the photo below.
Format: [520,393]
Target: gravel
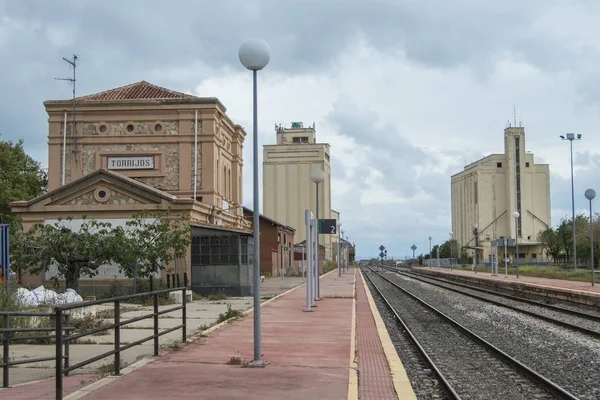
[567,305]
[540,310]
[567,358]
[471,369]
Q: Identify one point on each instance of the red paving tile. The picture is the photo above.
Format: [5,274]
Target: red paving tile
[559,283]
[374,377]
[308,355]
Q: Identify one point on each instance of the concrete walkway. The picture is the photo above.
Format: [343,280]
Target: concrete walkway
[200,315]
[309,354]
[557,283]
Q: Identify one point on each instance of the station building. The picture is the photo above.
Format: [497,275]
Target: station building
[141,146]
[487,193]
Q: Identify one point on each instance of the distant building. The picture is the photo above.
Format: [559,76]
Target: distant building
[274,238]
[490,190]
[287,188]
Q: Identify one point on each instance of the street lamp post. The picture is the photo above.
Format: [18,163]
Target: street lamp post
[317,176]
[516,216]
[339,225]
[451,246]
[570,137]
[254,54]
[476,244]
[430,263]
[590,194]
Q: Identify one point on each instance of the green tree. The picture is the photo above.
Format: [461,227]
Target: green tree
[75,253]
[551,242]
[21,178]
[149,241]
[449,249]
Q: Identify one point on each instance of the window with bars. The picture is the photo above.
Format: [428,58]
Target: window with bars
[218,250]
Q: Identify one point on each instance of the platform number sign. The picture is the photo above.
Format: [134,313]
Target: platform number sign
[328,226]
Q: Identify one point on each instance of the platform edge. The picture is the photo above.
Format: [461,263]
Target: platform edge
[353,367]
[402,385]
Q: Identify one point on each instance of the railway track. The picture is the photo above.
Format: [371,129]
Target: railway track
[585,323]
[468,366]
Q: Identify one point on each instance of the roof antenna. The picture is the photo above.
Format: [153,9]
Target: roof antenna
[515,116]
[73,80]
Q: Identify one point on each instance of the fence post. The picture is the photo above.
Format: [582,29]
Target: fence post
[185,279]
[117,337]
[184,314]
[151,284]
[155,296]
[5,354]
[59,354]
[67,344]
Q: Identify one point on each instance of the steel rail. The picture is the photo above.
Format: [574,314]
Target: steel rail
[547,384]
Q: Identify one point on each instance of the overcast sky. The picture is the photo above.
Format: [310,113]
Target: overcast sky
[404,91]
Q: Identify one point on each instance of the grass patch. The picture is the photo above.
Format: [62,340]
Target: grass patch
[109,369]
[538,271]
[83,341]
[173,346]
[110,313]
[229,314]
[88,323]
[211,297]
[330,266]
[235,361]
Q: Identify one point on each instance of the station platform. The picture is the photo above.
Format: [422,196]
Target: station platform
[340,350]
[572,291]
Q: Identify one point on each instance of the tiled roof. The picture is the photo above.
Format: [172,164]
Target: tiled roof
[137,91]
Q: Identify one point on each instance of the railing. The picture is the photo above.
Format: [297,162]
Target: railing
[63,336]
[6,338]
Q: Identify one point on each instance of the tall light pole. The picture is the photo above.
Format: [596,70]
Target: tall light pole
[339,225]
[590,194]
[317,176]
[570,137]
[430,263]
[516,216]
[254,54]
[476,244]
[451,246]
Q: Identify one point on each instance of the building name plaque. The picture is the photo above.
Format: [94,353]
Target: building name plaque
[130,162]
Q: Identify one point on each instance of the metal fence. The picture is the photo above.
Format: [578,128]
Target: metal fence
[440,262]
[63,335]
[15,334]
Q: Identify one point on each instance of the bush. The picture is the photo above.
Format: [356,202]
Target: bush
[330,266]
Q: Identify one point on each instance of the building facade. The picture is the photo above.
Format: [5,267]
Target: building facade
[287,187]
[140,147]
[487,193]
[274,239]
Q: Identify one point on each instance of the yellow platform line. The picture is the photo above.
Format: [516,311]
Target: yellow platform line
[402,385]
